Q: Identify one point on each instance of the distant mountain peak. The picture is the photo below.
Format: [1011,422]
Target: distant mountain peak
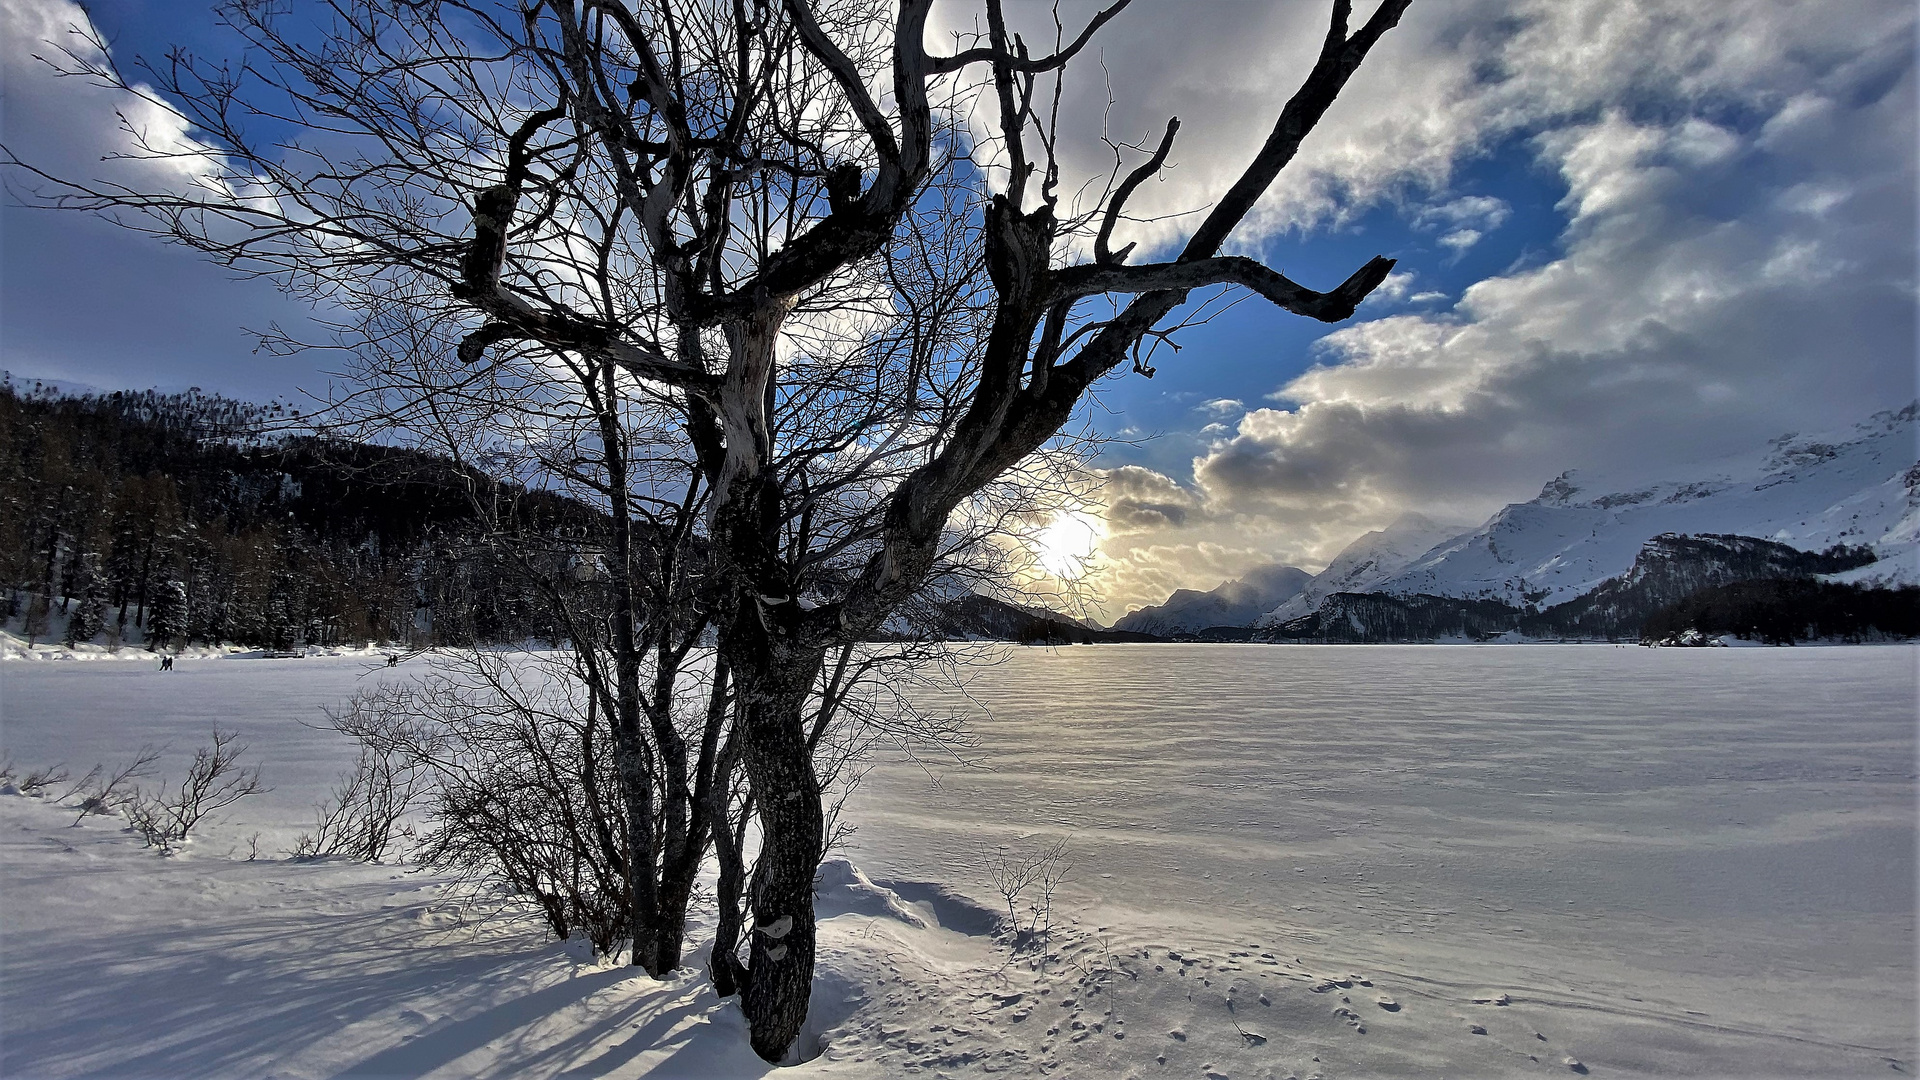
[1370,559]
[1239,602]
[1809,491]
[1560,490]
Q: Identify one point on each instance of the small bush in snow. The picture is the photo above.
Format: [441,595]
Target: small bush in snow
[101,793]
[38,781]
[363,817]
[215,780]
[1027,884]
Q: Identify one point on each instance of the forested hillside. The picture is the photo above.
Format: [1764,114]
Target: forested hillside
[176,518]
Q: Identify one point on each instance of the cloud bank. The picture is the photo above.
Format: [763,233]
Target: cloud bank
[1735,258]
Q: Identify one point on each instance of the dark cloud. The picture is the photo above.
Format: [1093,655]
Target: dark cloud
[1138,499]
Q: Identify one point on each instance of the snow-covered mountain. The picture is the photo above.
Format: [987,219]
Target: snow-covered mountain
[1232,603]
[1862,487]
[1366,563]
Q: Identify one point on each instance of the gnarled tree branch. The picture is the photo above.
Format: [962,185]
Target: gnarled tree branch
[1332,306]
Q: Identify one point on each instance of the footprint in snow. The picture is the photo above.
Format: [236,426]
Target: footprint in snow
[1387,1003]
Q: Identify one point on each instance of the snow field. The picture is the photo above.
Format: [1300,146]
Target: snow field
[1287,861]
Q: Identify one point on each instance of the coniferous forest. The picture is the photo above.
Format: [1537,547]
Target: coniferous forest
[175,519]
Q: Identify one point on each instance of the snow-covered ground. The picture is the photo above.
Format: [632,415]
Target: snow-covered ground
[1675,862]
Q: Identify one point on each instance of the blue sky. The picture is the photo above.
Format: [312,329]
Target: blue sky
[86,302]
[1635,237]
[1252,349]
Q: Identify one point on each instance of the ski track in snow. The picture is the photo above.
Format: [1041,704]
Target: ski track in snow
[1287,861]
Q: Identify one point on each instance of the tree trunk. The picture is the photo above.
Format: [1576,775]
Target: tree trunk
[680,848]
[729,851]
[710,787]
[636,787]
[723,964]
[781,946]
[774,673]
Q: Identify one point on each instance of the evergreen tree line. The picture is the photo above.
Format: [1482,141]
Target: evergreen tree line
[170,519]
[1782,611]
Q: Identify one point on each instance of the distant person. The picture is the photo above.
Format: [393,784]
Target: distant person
[392,660]
[166,663]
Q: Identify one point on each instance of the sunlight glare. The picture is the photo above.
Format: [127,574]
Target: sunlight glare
[1065,546]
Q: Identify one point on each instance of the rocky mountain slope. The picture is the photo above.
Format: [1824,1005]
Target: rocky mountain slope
[1861,488]
[1232,603]
[1366,563]
[1668,574]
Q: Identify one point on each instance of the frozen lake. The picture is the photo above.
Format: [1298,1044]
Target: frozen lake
[1695,861]
[1719,836]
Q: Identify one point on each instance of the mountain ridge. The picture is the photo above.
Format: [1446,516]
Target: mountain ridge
[1238,602]
[1859,489]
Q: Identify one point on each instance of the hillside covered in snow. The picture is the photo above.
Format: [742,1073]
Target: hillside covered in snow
[1861,488]
[1364,564]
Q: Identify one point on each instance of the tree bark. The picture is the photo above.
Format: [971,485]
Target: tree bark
[729,974]
[774,672]
[780,767]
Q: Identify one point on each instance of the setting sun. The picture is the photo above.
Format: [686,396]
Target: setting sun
[1065,546]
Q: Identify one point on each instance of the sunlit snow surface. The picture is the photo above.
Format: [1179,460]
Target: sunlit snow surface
[1694,862]
[1721,836]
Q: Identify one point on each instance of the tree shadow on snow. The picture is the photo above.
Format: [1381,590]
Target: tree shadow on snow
[268,990]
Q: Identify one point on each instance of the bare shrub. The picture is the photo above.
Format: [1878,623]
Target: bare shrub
[364,815]
[1027,885]
[214,781]
[36,781]
[513,767]
[103,793]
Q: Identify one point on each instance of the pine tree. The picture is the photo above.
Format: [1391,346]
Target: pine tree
[90,616]
[167,615]
[39,611]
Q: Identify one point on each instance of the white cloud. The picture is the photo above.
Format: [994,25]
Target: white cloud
[1736,258]
[1393,290]
[1478,211]
[75,127]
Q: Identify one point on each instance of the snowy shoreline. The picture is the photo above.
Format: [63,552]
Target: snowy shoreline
[14,648]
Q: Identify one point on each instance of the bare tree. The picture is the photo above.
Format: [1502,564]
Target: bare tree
[861,336]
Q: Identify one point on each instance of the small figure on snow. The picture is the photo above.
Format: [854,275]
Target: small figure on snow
[166,663]
[393,660]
